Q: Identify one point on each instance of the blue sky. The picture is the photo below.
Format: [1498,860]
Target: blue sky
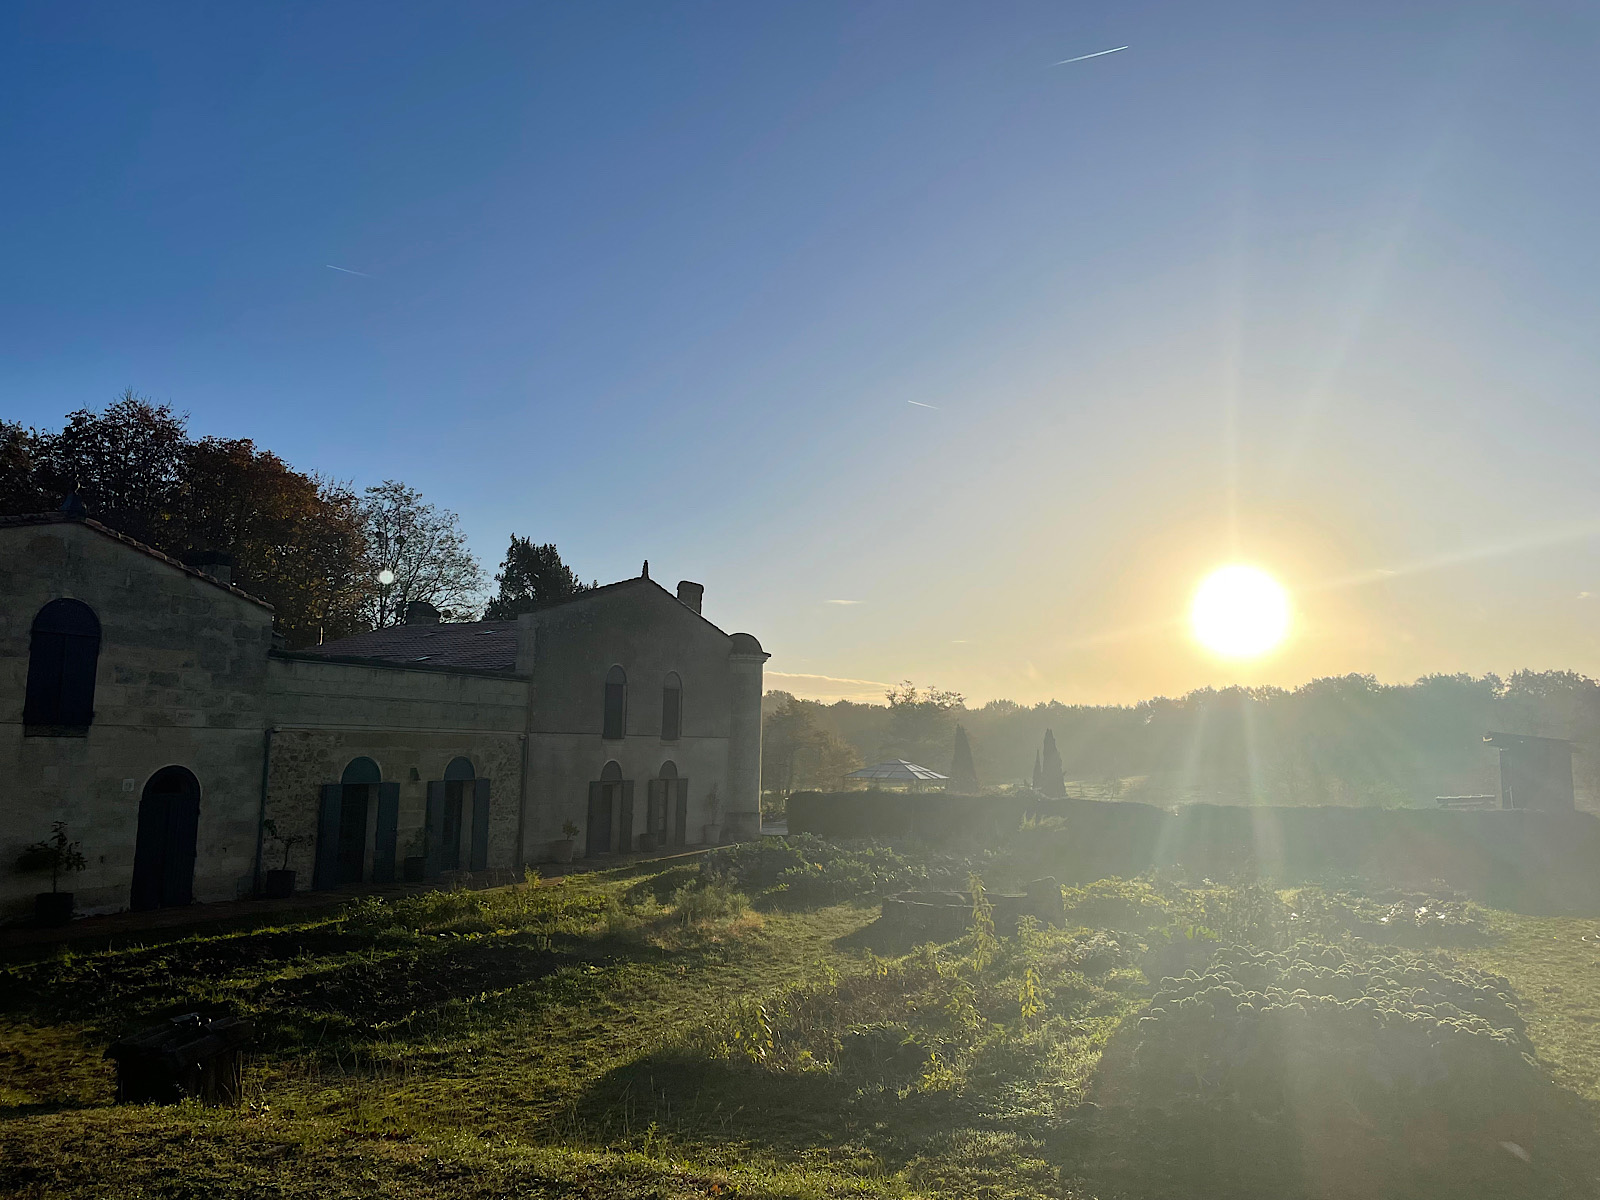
[1310,286]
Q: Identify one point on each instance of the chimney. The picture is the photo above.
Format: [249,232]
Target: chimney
[691,593]
[420,612]
[216,563]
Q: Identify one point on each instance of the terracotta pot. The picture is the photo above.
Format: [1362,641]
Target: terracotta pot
[279,885]
[564,849]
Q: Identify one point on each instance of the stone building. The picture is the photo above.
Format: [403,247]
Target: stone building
[145,704]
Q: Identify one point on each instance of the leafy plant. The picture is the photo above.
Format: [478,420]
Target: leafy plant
[287,840]
[55,854]
[569,830]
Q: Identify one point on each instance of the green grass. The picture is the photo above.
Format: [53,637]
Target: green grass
[636,1034]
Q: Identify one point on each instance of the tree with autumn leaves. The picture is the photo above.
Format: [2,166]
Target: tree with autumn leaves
[308,545]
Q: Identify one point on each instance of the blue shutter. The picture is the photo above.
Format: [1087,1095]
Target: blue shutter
[680,817]
[435,832]
[480,825]
[387,838]
[325,875]
[625,824]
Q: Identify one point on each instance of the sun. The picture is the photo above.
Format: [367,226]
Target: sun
[1239,611]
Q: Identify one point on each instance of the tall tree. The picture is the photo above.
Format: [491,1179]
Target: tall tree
[963,774]
[529,576]
[297,541]
[20,490]
[422,553]
[921,723]
[796,753]
[126,463]
[1053,783]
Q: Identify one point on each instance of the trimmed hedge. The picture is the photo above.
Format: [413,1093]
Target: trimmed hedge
[1539,862]
[919,816]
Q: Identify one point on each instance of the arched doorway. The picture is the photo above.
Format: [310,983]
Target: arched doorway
[458,778]
[667,809]
[344,824]
[163,856]
[610,812]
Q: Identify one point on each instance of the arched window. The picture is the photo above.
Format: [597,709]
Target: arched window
[669,770]
[361,770]
[460,769]
[616,716]
[61,664]
[611,772]
[672,708]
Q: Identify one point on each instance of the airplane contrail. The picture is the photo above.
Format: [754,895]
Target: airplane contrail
[1081,57]
[920,404]
[347,270]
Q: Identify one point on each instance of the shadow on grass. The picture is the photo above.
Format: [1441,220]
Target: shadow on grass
[1179,1148]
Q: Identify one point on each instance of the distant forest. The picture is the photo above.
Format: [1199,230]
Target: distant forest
[1347,741]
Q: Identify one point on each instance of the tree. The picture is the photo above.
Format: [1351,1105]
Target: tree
[921,722]
[296,540]
[531,575]
[126,463]
[963,774]
[797,754]
[424,551]
[1053,783]
[19,486]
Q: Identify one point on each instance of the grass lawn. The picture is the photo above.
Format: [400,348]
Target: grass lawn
[625,1035]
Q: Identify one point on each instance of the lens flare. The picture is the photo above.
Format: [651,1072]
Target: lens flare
[1239,611]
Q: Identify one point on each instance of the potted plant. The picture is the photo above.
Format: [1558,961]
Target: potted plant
[648,843]
[415,867]
[279,883]
[568,844]
[713,831]
[58,856]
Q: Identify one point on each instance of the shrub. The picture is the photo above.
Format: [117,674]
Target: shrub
[804,869]
[705,901]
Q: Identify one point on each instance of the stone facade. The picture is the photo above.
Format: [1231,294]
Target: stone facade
[187,677]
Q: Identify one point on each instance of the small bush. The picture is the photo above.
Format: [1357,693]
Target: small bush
[703,903]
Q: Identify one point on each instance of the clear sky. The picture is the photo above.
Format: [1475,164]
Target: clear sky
[1308,286]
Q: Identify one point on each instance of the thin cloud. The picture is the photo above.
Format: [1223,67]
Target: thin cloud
[1083,57]
[844,601]
[826,687]
[920,404]
[347,270]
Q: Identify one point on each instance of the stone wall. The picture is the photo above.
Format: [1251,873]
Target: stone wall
[179,682]
[326,714]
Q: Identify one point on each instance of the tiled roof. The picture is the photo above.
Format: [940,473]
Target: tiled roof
[56,518]
[479,645]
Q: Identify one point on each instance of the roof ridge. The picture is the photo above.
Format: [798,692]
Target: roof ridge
[57,518]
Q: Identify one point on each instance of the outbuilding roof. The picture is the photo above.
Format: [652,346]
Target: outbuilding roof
[899,770]
[480,645]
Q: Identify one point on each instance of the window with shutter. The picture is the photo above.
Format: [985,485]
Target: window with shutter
[616,704]
[672,709]
[62,656]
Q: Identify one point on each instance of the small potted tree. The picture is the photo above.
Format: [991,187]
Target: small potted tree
[567,846]
[713,831]
[58,856]
[279,883]
[415,867]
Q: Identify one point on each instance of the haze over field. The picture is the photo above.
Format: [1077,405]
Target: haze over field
[932,353]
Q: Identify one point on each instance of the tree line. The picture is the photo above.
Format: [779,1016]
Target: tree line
[1347,740]
[331,560]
